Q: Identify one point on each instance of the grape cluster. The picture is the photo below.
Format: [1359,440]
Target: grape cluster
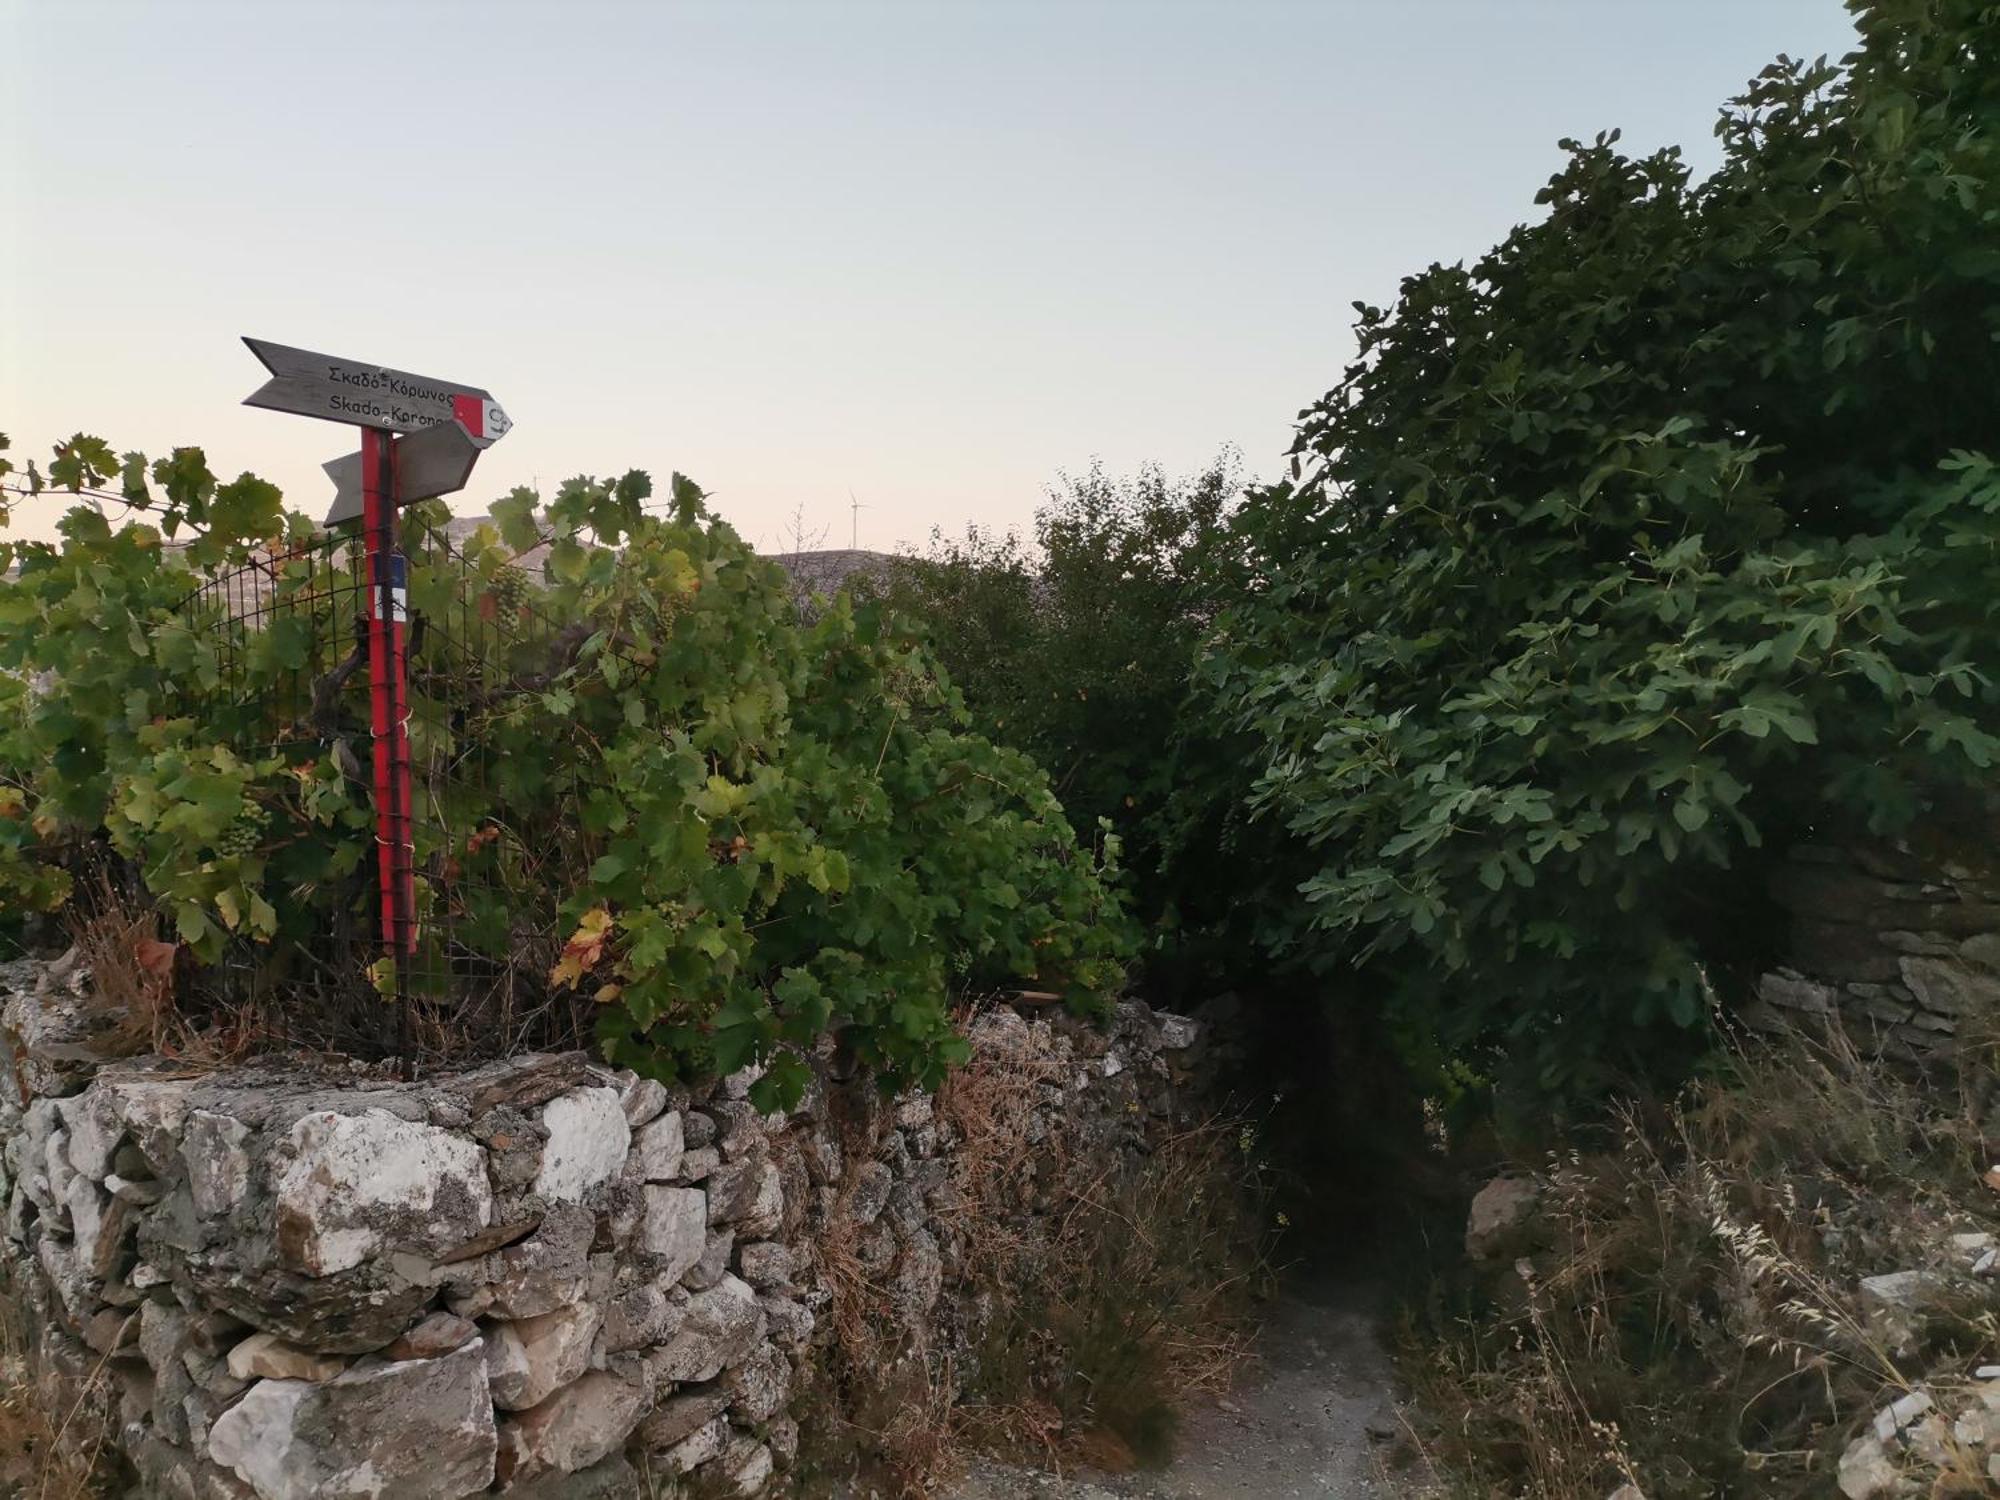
[510,590]
[244,834]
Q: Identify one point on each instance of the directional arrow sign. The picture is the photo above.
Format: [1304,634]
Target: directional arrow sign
[344,390]
[432,461]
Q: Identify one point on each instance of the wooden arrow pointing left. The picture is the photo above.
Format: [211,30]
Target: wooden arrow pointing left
[433,461]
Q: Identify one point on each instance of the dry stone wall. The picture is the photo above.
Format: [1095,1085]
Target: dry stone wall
[1902,948]
[539,1277]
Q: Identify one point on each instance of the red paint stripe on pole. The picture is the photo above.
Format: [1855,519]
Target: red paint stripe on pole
[401,790]
[377,513]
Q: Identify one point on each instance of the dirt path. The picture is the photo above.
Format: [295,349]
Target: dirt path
[1303,1424]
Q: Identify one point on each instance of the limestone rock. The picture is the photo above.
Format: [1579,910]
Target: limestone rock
[354,1312]
[218,1168]
[573,1429]
[659,1148]
[1895,1301]
[412,1430]
[790,1323]
[55,1166]
[1865,1469]
[642,1099]
[823,1157]
[52,1035]
[111,1329]
[588,1139]
[674,1229]
[767,1265]
[526,1361]
[699,1162]
[99,1223]
[1942,984]
[1501,1212]
[758,1384]
[747,1195]
[783,1436]
[539,1274]
[612,1478]
[438,1335]
[721,1325]
[639,1316]
[262,1356]
[153,1112]
[1898,1414]
[745,1467]
[714,1262]
[359,1184]
[681,1415]
[513,1145]
[697,1448]
[1794,992]
[522,1082]
[167,1470]
[919,1279]
[140,1194]
[868,1191]
[94,1132]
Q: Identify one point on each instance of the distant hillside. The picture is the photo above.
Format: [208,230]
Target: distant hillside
[829,572]
[824,572]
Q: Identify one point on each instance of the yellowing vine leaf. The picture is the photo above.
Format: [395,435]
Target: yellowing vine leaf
[583,950]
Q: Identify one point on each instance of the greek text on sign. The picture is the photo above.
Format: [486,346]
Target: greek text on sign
[363,395]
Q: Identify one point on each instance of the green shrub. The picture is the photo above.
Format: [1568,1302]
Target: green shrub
[1664,532]
[1077,647]
[771,830]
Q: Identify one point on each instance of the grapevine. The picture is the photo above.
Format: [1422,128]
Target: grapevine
[745,831]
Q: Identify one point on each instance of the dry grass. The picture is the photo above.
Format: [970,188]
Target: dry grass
[1693,1323]
[53,1443]
[1140,1299]
[1109,1293]
[132,995]
[1130,1294]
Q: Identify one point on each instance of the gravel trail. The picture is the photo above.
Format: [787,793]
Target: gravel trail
[1304,1423]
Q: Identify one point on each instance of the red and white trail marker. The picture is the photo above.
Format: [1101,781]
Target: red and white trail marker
[346,390]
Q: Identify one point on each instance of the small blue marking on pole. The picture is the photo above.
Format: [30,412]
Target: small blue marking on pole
[399,592]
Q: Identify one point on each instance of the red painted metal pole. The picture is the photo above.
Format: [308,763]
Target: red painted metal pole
[388,678]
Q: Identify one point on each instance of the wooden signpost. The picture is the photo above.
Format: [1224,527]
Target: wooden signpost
[429,462]
[345,390]
[446,426]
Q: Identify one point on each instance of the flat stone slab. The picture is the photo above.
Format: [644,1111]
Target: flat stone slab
[360,1184]
[410,1430]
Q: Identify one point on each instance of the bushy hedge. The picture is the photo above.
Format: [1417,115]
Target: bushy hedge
[1661,534]
[1075,643]
[778,829]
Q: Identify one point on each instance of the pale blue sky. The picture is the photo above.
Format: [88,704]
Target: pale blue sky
[930,252]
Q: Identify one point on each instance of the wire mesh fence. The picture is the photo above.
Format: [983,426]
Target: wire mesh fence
[495,836]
